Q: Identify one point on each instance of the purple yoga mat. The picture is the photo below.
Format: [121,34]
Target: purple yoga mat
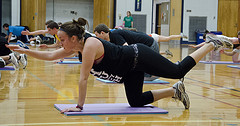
[110,109]
[7,68]
[218,62]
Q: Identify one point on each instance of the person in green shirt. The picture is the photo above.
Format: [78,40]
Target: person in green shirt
[128,20]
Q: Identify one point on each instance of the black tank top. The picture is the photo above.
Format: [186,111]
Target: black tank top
[117,61]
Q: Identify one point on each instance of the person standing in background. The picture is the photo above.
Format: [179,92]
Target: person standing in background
[128,20]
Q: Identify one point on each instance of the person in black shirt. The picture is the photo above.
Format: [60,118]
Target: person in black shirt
[121,64]
[126,37]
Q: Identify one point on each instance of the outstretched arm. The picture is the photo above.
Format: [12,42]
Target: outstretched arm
[9,37]
[34,32]
[228,53]
[43,55]
[168,38]
[196,46]
[171,37]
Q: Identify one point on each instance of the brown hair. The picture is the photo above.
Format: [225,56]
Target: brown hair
[48,22]
[101,27]
[75,28]
[130,14]
[53,25]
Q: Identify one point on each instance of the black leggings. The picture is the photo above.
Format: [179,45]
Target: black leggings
[155,64]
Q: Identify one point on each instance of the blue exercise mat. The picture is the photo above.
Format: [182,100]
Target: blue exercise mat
[218,62]
[111,109]
[70,62]
[232,66]
[7,68]
[156,81]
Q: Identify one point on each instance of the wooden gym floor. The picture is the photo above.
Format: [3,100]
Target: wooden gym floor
[27,96]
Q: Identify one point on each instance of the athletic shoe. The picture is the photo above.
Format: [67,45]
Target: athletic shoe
[2,63]
[14,61]
[180,94]
[219,41]
[21,44]
[23,60]
[168,53]
[39,39]
[183,36]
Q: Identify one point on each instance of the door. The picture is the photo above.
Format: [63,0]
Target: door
[228,15]
[103,12]
[33,14]
[158,19]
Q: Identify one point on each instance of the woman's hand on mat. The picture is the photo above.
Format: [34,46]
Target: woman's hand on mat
[72,109]
[16,48]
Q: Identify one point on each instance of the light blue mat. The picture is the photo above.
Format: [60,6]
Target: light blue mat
[218,62]
[156,81]
[71,57]
[232,66]
[70,62]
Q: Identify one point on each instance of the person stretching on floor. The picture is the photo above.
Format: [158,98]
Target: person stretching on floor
[122,64]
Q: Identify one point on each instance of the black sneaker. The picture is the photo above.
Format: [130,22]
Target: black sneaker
[180,94]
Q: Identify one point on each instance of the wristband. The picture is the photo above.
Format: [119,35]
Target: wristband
[78,106]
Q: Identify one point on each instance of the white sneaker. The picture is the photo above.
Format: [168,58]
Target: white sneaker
[219,41]
[23,60]
[183,36]
[181,94]
[39,38]
[14,61]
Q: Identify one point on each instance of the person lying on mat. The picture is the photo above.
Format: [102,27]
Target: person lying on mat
[207,36]
[122,64]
